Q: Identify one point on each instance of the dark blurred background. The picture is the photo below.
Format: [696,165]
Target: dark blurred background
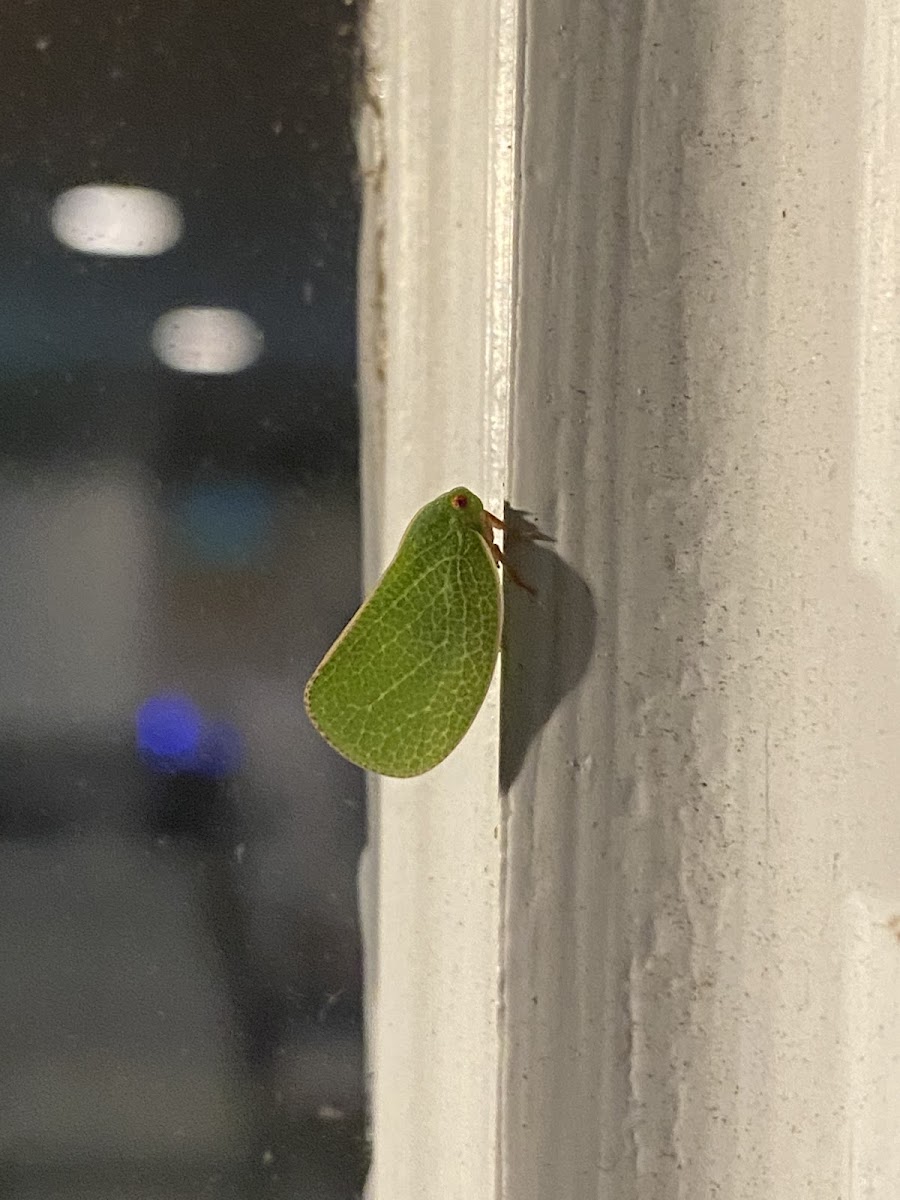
[180,1009]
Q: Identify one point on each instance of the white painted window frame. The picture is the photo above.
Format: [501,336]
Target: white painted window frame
[664,961]
[436,304]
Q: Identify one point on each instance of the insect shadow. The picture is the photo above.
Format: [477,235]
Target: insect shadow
[548,639]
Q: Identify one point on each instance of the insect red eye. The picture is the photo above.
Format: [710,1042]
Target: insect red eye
[460,501]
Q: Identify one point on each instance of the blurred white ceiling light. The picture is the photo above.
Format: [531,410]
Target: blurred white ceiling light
[110,219]
[207,341]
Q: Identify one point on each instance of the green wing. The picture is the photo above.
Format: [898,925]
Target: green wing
[405,679]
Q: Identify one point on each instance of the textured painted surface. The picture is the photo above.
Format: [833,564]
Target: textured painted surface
[698,955]
[704,837]
[403,683]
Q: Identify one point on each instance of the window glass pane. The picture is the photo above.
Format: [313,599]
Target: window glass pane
[180,1009]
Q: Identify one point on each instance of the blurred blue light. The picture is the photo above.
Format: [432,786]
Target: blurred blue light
[168,732]
[172,735]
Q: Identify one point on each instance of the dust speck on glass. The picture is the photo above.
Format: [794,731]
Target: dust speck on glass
[180,992]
